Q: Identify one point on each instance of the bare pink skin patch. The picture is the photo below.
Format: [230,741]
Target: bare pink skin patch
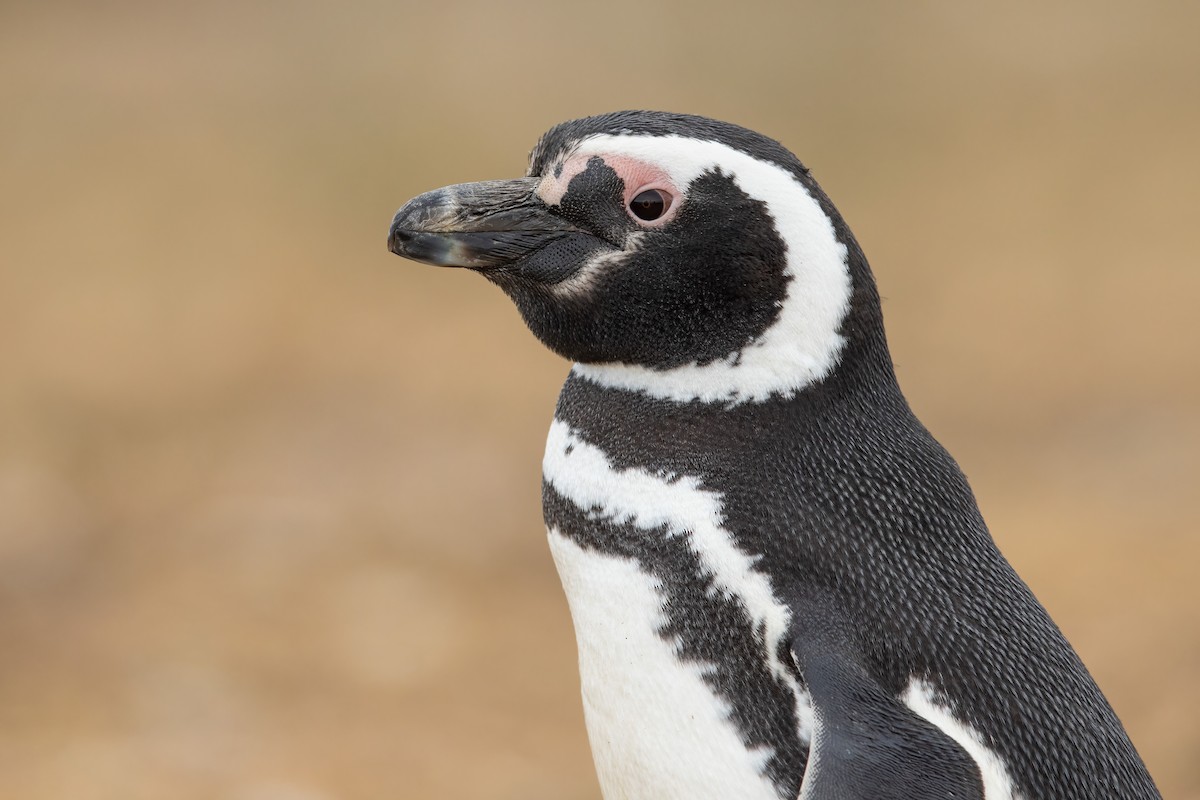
[637,176]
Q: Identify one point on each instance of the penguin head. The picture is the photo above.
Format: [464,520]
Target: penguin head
[675,255]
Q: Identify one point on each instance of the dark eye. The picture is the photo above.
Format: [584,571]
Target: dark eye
[649,205]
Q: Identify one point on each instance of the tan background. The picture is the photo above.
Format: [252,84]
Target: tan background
[269,521]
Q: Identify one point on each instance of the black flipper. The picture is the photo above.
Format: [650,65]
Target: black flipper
[867,745]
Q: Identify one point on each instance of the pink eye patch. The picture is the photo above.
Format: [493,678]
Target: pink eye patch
[637,176]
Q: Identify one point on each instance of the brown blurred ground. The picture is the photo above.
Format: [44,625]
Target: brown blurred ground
[269,521]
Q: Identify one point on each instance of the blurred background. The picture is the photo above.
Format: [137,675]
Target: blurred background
[269,496]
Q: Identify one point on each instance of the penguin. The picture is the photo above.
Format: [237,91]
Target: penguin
[781,584]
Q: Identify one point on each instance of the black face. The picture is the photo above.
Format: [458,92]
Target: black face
[698,288]
[602,271]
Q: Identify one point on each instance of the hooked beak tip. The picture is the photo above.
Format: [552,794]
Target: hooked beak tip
[398,236]
[477,225]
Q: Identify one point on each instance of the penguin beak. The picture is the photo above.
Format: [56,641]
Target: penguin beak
[476,225]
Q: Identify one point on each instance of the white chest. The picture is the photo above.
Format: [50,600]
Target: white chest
[658,728]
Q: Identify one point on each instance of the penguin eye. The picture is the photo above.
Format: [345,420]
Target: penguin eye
[650,205]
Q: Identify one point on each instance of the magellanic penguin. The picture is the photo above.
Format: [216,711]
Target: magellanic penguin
[780,582]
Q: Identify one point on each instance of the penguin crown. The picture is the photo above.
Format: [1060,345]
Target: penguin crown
[673,255]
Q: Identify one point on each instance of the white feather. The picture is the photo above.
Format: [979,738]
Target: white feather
[630,675]
[803,345]
[997,783]
[656,729]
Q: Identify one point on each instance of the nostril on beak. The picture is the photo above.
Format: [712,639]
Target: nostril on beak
[397,238]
